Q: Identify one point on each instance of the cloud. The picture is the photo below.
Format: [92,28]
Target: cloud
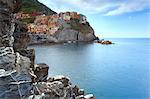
[104,7]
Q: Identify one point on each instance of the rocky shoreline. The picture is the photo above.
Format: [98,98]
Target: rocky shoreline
[104,42]
[20,78]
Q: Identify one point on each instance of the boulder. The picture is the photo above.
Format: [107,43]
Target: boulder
[7,55]
[53,90]
[76,90]
[41,71]
[63,79]
[30,53]
[23,64]
[50,90]
[106,42]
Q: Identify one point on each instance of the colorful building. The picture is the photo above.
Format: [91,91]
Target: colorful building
[74,15]
[53,31]
[50,24]
[22,15]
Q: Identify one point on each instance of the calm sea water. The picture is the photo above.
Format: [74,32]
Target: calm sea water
[119,71]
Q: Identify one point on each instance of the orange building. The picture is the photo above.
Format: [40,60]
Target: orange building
[74,15]
[50,24]
[31,27]
[22,15]
[53,31]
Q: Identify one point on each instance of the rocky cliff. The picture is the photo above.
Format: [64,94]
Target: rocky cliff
[20,78]
[75,31]
[70,27]
[63,36]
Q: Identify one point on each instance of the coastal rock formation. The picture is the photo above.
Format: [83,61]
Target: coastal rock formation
[46,26]
[104,42]
[18,74]
[60,31]
[75,30]
[73,35]
[59,87]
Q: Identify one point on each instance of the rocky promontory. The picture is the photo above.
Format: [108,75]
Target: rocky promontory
[62,27]
[52,27]
[20,78]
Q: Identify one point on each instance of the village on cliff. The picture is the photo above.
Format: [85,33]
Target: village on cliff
[49,24]
[46,26]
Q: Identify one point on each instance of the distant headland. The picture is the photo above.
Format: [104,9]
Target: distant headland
[47,26]
[62,27]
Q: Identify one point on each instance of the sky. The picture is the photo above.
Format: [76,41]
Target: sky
[110,18]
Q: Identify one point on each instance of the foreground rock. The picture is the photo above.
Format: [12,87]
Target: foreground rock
[58,87]
[41,72]
[14,85]
[19,77]
[21,37]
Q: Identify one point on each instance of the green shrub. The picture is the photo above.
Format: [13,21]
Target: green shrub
[83,28]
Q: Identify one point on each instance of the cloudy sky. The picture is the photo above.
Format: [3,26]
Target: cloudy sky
[110,18]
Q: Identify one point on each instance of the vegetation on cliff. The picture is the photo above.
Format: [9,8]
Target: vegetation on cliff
[34,6]
[83,28]
[29,6]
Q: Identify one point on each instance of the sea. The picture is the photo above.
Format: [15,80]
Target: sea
[117,71]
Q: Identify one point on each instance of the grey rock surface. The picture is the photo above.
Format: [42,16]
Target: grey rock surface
[15,79]
[67,35]
[41,72]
